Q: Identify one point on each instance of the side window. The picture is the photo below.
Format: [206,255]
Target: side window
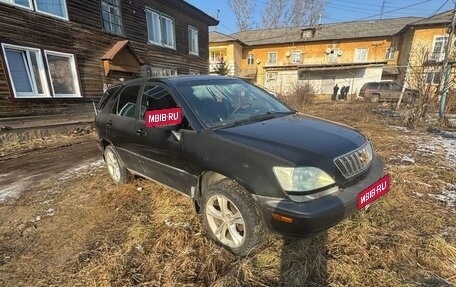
[156,97]
[126,105]
[107,95]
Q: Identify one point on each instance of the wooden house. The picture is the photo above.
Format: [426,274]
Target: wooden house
[57,56]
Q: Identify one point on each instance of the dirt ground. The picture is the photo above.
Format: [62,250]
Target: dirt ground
[64,223]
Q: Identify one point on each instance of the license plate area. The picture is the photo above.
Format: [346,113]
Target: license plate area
[374,192]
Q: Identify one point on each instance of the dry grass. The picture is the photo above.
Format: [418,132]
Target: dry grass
[142,234]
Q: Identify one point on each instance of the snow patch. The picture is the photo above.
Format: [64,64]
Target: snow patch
[447,196]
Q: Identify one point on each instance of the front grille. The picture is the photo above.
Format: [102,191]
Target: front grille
[355,162]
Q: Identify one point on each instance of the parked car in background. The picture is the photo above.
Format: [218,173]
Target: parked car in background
[386,91]
[248,162]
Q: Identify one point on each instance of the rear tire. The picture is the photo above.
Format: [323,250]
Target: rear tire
[232,218]
[117,170]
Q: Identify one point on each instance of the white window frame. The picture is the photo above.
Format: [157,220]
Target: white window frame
[358,54]
[74,74]
[33,6]
[443,48]
[296,53]
[269,58]
[173,31]
[65,17]
[390,53]
[433,74]
[120,16]
[250,59]
[333,56]
[192,34]
[193,72]
[41,71]
[11,2]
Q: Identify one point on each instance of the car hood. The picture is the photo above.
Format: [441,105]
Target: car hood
[297,138]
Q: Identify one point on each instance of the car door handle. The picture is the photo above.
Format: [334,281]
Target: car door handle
[140,132]
[109,123]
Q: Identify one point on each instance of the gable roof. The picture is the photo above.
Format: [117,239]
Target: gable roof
[442,18]
[325,32]
[119,47]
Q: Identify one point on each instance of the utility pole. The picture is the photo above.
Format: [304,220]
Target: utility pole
[447,67]
[383,7]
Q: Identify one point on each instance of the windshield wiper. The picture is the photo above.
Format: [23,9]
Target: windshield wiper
[259,117]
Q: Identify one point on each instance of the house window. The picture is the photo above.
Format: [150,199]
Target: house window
[250,59]
[296,57]
[28,74]
[56,8]
[160,29]
[51,7]
[193,41]
[360,55]
[162,71]
[272,58]
[390,53]
[438,50]
[63,74]
[26,71]
[20,3]
[112,20]
[433,78]
[193,72]
[333,55]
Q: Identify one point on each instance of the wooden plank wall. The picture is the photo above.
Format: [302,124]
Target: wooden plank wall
[84,37]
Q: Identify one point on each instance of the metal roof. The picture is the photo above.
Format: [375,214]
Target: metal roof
[325,32]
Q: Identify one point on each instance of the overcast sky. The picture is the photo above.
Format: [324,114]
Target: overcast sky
[336,11]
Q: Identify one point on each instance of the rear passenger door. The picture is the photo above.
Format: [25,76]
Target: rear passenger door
[120,124]
[395,91]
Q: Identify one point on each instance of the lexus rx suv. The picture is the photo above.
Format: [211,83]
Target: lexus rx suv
[248,162]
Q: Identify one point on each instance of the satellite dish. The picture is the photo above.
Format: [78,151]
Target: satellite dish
[328,50]
[287,54]
[258,61]
[339,53]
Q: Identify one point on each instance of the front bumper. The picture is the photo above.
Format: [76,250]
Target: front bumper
[320,214]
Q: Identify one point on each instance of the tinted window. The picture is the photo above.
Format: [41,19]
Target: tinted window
[396,86]
[107,95]
[156,97]
[373,86]
[126,105]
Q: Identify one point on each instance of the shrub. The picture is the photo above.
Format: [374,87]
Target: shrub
[300,95]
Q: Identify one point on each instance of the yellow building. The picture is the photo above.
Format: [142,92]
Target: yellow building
[347,54]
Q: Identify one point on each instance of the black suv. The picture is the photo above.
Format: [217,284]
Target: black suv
[248,162]
[386,91]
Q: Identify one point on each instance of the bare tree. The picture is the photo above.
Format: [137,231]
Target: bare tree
[306,12]
[275,13]
[426,77]
[243,11]
[292,13]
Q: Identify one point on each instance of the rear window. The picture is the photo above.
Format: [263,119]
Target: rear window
[107,95]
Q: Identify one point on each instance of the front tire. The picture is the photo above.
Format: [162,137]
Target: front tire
[117,170]
[232,218]
[375,98]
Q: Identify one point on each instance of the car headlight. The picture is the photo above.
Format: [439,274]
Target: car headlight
[302,179]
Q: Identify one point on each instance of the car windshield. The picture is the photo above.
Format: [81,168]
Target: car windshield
[227,102]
